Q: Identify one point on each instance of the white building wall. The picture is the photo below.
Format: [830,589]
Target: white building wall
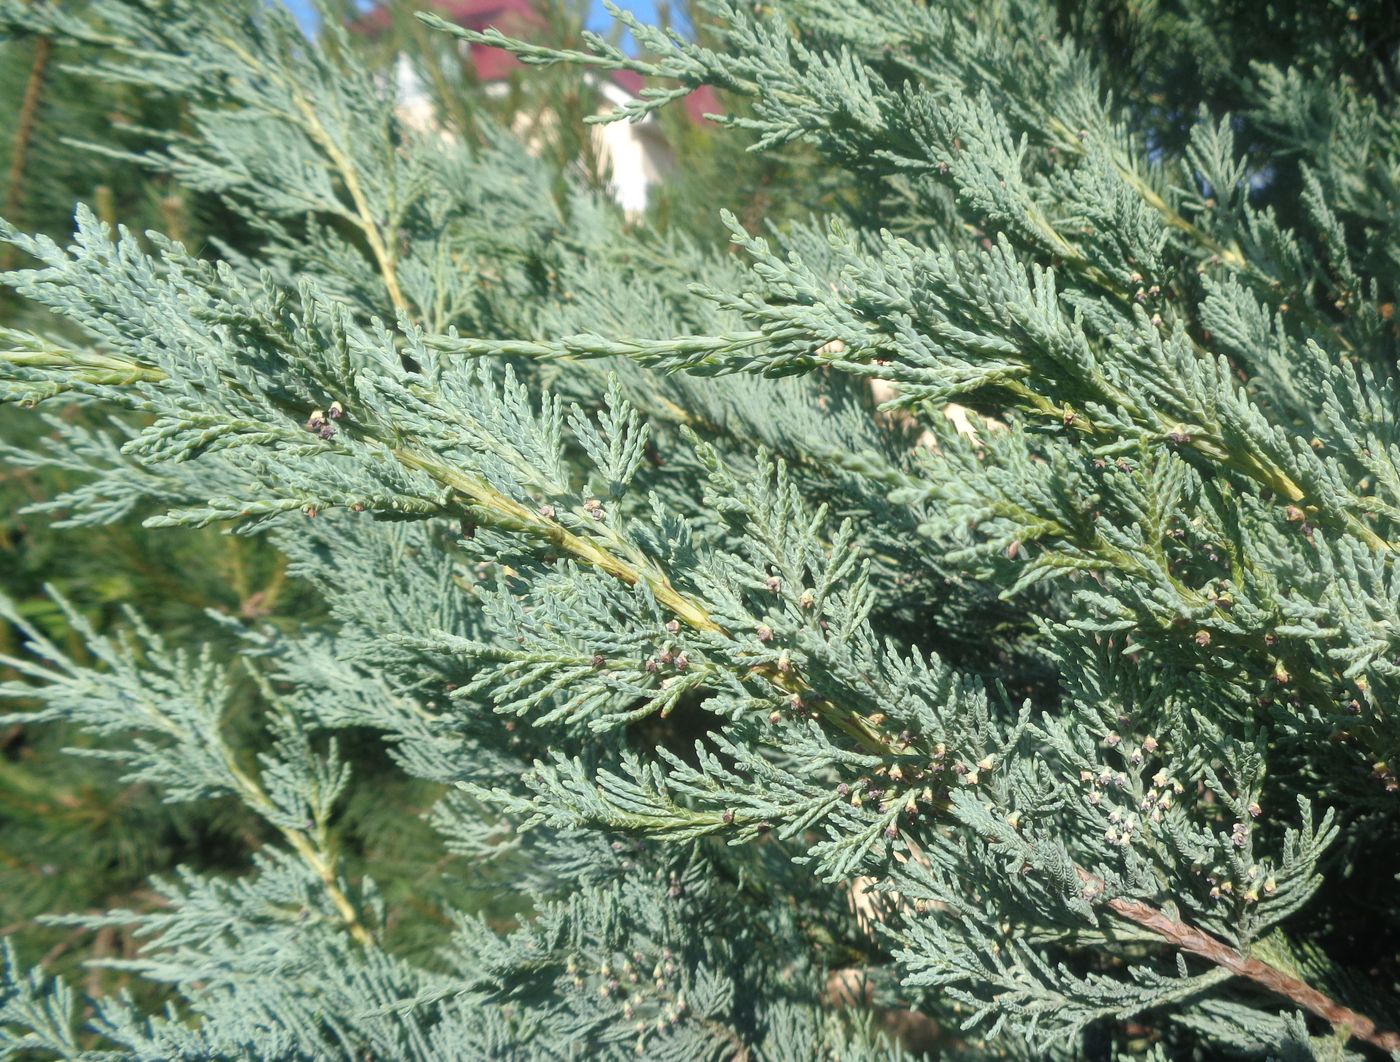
[635,153]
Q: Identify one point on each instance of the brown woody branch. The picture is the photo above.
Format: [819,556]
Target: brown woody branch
[24,132]
[1192,940]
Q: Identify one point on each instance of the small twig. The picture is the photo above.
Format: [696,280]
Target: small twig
[381,243]
[1192,940]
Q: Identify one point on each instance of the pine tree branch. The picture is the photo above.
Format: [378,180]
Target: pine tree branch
[691,612]
[381,243]
[1192,940]
[91,367]
[727,352]
[254,794]
[1065,140]
[486,501]
[481,495]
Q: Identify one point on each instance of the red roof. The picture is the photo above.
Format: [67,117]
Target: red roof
[475,14]
[516,18]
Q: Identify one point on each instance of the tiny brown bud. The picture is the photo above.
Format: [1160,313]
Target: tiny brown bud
[765,633]
[1202,638]
[728,816]
[773,583]
[335,411]
[599,660]
[547,511]
[808,599]
[682,661]
[673,626]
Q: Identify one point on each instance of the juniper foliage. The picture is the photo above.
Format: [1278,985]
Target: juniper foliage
[75,836]
[1081,686]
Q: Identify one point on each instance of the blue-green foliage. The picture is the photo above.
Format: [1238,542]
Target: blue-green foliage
[1058,714]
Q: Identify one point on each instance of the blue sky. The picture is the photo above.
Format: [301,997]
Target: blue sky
[644,9]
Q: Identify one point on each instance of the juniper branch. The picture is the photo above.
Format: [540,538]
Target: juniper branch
[1195,942]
